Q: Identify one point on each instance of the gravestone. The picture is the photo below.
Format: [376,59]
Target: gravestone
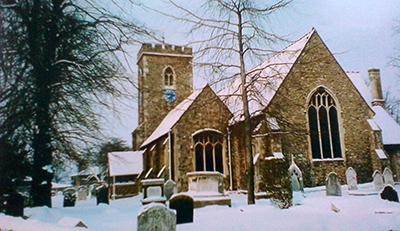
[389,193]
[351,178]
[377,180]
[102,195]
[69,197]
[153,191]
[184,205]
[15,205]
[332,184]
[93,189]
[156,216]
[82,193]
[71,222]
[388,176]
[296,177]
[169,188]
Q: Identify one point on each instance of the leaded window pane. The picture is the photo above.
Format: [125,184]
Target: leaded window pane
[313,125]
[337,151]
[324,126]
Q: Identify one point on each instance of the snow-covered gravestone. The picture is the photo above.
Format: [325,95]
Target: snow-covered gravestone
[156,216]
[14,205]
[390,194]
[332,184]
[377,180]
[69,197]
[71,222]
[388,176]
[82,193]
[296,177]
[169,188]
[351,178]
[184,206]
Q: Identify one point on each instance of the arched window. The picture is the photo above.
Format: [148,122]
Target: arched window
[168,77]
[324,126]
[208,148]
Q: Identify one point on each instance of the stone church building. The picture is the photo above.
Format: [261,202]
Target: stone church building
[305,108]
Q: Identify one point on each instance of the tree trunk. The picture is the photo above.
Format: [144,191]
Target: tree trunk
[247,119]
[42,151]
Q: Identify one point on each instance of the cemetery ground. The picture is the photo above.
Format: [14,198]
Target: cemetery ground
[315,212]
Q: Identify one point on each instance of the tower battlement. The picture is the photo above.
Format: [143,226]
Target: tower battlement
[151,48]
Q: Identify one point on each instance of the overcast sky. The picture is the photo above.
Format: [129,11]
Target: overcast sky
[359,32]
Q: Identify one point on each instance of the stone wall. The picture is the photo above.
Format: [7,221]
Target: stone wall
[152,60]
[317,67]
[206,112]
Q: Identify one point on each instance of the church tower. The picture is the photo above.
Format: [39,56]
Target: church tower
[165,79]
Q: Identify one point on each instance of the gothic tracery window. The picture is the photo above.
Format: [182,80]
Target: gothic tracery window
[168,77]
[324,126]
[208,148]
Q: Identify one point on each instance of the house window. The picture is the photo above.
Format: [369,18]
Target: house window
[208,150]
[168,77]
[324,126]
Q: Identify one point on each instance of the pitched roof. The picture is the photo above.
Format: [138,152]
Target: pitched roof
[264,80]
[172,117]
[125,163]
[390,129]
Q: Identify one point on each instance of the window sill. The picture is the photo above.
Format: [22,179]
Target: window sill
[169,87]
[327,160]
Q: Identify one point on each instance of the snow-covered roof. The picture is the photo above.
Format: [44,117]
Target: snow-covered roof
[264,80]
[125,163]
[173,116]
[381,154]
[390,129]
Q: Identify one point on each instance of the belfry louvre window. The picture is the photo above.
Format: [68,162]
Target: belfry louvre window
[208,151]
[168,77]
[324,126]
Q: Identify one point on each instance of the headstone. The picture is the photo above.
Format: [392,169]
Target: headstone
[351,178]
[296,177]
[389,193]
[15,205]
[69,197]
[154,191]
[295,183]
[156,216]
[388,176]
[184,205]
[332,184]
[169,188]
[71,222]
[82,193]
[377,180]
[93,189]
[102,195]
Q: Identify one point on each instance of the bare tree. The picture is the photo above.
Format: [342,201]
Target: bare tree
[392,105]
[228,35]
[60,64]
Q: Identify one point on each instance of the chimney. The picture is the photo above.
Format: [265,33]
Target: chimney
[375,87]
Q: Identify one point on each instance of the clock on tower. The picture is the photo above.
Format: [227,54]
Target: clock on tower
[169,95]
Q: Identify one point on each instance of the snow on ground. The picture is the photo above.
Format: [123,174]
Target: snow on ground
[314,213]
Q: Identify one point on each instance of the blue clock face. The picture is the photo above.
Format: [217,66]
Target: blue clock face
[169,95]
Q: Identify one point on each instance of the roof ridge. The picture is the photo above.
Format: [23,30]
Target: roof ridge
[302,37]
